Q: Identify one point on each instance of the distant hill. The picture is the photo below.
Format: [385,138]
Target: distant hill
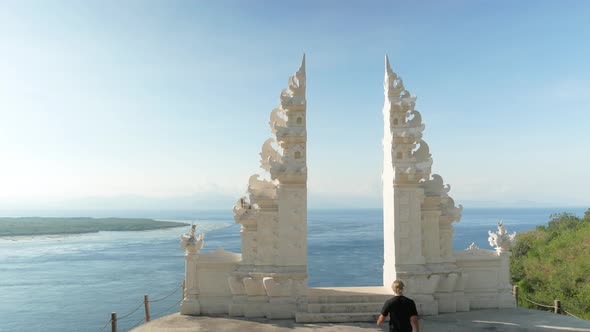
[553,262]
[52,226]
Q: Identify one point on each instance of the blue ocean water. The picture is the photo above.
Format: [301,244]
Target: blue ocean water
[73,283]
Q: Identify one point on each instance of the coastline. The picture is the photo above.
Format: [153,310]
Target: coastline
[29,227]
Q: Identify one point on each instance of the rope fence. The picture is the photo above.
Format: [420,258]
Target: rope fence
[131,313]
[557,307]
[567,312]
[146,304]
[167,296]
[105,325]
[160,314]
[155,316]
[538,304]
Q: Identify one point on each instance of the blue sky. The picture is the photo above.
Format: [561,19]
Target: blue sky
[165,104]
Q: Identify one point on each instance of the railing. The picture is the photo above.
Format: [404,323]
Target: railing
[146,304]
[557,307]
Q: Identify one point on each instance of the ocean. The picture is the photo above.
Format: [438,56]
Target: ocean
[74,282]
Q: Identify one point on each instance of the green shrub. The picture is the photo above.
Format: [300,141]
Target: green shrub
[553,262]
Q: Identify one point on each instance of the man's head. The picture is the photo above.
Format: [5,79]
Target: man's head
[398,286]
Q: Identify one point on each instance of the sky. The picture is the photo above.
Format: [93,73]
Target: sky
[165,104]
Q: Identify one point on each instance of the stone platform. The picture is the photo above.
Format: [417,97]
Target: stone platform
[515,319]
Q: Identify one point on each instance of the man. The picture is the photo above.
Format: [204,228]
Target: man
[404,316]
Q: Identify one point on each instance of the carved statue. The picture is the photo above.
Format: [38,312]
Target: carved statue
[501,240]
[192,243]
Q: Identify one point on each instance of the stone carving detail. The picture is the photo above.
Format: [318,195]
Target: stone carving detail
[474,250]
[406,127]
[269,154]
[416,121]
[277,119]
[423,152]
[288,166]
[261,189]
[394,86]
[283,132]
[192,243]
[244,210]
[294,96]
[501,240]
[435,186]
[449,209]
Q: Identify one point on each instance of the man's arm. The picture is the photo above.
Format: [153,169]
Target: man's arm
[415,324]
[384,312]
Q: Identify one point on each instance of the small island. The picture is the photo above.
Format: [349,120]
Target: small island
[27,226]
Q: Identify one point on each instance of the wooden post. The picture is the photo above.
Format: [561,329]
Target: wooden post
[183,288]
[113,322]
[146,302]
[557,306]
[515,293]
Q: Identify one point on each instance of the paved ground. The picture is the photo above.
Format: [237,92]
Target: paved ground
[518,319]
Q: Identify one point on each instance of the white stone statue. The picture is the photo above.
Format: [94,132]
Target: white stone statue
[192,243]
[501,240]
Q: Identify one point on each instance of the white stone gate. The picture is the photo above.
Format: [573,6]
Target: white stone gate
[269,278]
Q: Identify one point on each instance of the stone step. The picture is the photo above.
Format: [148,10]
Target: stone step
[348,295]
[306,317]
[328,299]
[345,307]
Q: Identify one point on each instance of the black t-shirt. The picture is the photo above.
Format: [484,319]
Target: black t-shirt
[401,309]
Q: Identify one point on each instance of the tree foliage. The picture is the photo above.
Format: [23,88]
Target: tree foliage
[553,262]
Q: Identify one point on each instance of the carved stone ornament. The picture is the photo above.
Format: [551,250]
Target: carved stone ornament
[450,210]
[473,249]
[416,121]
[277,119]
[260,188]
[422,154]
[282,132]
[191,243]
[294,96]
[435,186]
[269,154]
[501,240]
[244,210]
[399,97]
[288,166]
